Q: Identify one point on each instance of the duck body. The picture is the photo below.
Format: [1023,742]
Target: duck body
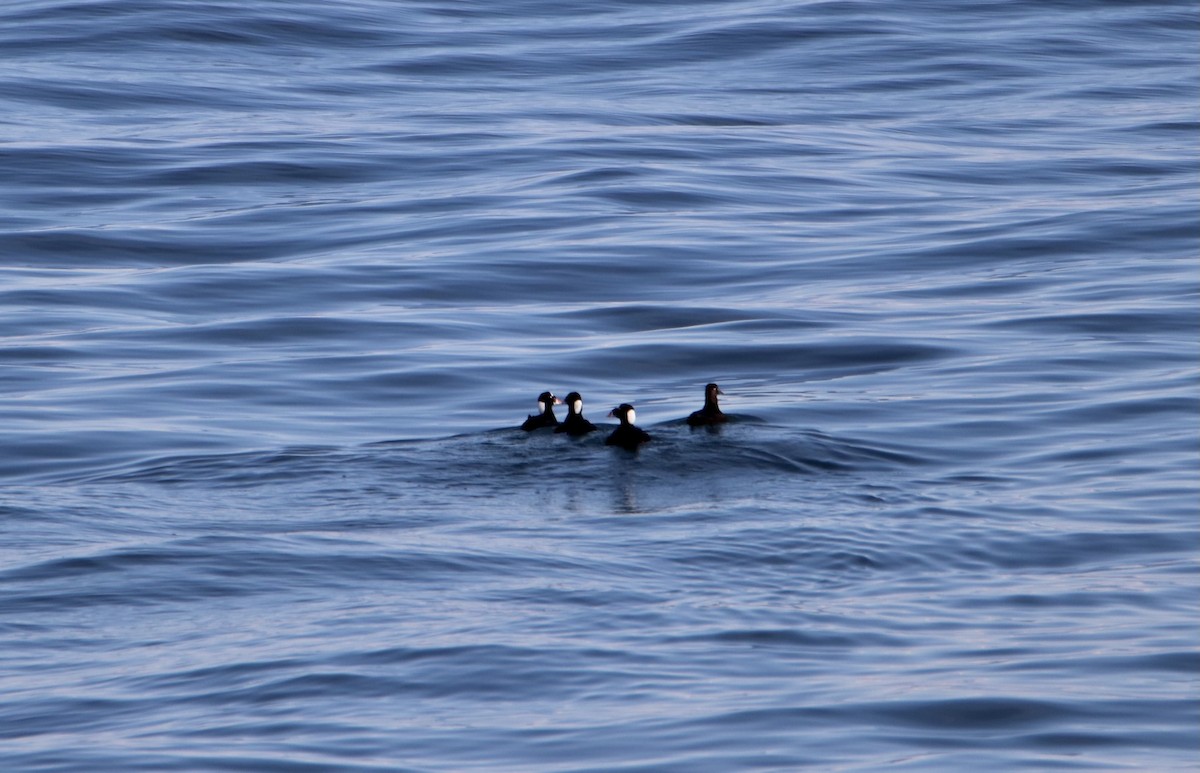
[575,425]
[626,435]
[545,416]
[711,412]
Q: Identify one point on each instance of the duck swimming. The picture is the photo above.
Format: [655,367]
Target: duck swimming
[575,425]
[545,416]
[626,435]
[711,412]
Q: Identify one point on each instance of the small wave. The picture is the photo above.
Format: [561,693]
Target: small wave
[510,459]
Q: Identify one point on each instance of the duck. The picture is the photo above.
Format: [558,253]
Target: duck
[545,416]
[575,425]
[626,435]
[711,412]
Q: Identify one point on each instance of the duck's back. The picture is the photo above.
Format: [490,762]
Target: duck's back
[706,416]
[628,436]
[575,425]
[537,421]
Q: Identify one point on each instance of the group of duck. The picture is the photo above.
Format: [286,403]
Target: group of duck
[627,435]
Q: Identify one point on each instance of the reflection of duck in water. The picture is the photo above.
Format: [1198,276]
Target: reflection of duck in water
[626,435]
[575,425]
[711,412]
[545,416]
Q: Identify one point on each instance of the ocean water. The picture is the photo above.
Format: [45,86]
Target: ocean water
[279,280]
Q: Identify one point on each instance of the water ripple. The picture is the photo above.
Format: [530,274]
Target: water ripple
[279,281]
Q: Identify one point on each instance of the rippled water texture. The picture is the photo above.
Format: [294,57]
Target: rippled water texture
[279,281]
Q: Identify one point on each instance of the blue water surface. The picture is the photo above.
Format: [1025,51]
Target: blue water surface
[280,279]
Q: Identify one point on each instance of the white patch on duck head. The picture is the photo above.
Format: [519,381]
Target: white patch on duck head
[577,406]
[630,416]
[541,406]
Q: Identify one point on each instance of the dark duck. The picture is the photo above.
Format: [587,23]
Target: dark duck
[626,435]
[575,425]
[711,412]
[545,416]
